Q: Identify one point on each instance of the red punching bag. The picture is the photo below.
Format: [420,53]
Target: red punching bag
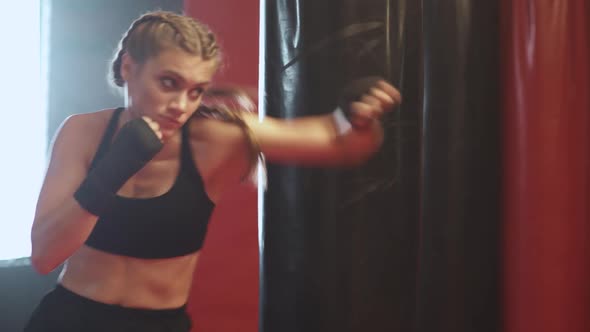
[547,165]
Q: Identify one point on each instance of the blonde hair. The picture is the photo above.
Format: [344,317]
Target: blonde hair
[156,31]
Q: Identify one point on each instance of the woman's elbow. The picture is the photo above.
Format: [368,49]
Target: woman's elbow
[41,263]
[40,260]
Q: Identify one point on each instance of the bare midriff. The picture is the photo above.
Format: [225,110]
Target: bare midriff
[128,281]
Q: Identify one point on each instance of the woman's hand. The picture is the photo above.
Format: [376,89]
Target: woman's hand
[366,100]
[154,126]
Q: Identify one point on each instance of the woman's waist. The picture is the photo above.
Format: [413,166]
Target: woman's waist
[153,284]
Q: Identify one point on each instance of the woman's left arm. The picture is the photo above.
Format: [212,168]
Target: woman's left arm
[321,140]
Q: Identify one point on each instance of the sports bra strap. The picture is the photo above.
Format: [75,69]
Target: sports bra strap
[107,137]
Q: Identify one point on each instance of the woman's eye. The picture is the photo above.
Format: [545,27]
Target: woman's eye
[167,82]
[196,93]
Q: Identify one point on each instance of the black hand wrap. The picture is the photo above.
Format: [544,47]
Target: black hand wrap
[354,91]
[135,145]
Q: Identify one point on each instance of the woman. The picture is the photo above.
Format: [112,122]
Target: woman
[128,192]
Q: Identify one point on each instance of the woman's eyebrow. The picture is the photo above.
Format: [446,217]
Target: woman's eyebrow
[179,77]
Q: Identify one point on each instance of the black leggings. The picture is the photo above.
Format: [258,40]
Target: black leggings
[64,311]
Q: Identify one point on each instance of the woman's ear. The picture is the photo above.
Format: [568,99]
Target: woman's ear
[127,65]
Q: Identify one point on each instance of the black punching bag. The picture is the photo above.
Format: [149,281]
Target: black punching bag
[407,242]
[339,246]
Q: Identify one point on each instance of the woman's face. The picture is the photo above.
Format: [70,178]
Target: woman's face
[167,88]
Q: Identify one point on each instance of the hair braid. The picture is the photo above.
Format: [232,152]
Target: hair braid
[153,32]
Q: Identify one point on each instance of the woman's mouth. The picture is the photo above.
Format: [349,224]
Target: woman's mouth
[169,122]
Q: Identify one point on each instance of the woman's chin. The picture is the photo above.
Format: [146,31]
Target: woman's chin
[168,133]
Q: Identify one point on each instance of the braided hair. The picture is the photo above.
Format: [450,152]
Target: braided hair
[154,32]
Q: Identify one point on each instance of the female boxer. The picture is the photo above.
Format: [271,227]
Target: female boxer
[128,192]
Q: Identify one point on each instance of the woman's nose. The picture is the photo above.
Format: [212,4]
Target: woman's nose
[180,103]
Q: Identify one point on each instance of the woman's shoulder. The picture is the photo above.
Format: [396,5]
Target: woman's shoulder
[89,120]
[84,125]
[83,131]
[223,135]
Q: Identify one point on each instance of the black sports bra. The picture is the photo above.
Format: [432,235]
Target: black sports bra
[170,225]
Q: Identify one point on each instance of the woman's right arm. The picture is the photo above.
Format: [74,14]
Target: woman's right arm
[72,196]
[61,226]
